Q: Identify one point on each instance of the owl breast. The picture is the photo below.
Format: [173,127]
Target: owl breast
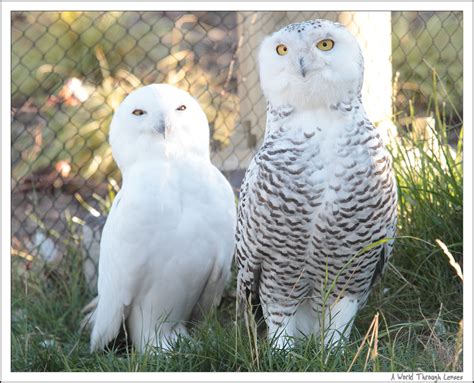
[319,198]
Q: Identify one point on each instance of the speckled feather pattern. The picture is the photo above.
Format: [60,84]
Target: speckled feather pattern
[316,197]
[299,234]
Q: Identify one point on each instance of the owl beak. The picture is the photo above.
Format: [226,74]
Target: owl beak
[302,68]
[162,128]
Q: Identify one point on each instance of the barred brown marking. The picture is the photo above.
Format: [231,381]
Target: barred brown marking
[344,200]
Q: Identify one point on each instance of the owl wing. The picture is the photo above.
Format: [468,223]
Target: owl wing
[212,292]
[248,261]
[382,166]
[386,251]
[224,234]
[391,229]
[115,285]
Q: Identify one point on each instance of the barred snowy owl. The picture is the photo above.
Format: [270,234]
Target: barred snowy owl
[318,202]
[167,245]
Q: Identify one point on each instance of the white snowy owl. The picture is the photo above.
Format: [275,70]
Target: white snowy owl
[167,245]
[318,204]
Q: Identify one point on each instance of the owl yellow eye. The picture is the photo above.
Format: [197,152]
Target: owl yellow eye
[325,45]
[282,49]
[138,112]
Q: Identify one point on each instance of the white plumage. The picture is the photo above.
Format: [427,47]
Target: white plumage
[167,245]
[317,212]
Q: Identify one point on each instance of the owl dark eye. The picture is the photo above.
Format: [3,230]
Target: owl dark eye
[181,108]
[138,112]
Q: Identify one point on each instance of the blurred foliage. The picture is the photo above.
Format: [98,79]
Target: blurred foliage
[108,54]
[421,41]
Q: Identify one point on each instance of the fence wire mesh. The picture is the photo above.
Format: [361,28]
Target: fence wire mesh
[71,69]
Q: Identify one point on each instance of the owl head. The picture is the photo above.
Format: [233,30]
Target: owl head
[158,120]
[311,64]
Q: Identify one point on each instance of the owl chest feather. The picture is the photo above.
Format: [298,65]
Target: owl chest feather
[302,164]
[319,196]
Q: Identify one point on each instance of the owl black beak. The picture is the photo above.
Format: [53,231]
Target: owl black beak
[302,68]
[162,128]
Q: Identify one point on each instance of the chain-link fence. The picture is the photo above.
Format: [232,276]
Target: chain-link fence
[71,69]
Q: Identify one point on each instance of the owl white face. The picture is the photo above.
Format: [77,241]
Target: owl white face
[155,120]
[311,64]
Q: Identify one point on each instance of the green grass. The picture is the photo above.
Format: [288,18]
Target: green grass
[419,302]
